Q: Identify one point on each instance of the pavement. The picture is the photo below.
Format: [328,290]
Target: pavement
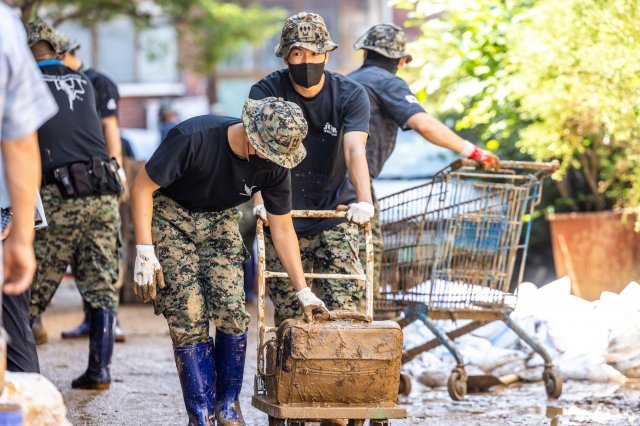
[146,390]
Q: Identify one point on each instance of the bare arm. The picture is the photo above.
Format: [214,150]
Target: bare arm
[355,155]
[285,241]
[142,206]
[111,130]
[436,132]
[23,174]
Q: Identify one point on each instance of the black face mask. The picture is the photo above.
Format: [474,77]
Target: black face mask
[306,74]
[262,165]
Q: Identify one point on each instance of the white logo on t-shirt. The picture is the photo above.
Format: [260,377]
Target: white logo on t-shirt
[411,99]
[112,105]
[70,84]
[247,191]
[328,128]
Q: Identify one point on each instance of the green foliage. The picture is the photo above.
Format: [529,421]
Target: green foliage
[547,79]
[211,29]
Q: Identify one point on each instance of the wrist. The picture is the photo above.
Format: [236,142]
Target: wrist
[467,148]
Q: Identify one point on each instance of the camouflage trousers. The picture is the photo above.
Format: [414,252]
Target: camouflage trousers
[201,254]
[376,237]
[332,251]
[82,232]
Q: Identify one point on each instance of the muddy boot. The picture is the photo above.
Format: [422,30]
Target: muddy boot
[197,379]
[102,324]
[39,332]
[230,354]
[120,336]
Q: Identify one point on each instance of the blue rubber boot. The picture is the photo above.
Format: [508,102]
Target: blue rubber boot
[197,375]
[230,355]
[101,338]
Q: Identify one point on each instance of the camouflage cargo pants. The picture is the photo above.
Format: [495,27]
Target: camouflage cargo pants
[83,232]
[376,234]
[333,251]
[201,254]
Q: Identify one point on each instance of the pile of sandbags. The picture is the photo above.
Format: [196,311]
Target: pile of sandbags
[596,341]
[41,403]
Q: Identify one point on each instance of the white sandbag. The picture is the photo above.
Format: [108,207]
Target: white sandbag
[480,352]
[587,366]
[513,367]
[41,402]
[631,295]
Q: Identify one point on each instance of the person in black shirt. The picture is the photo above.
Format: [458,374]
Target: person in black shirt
[107,98]
[80,186]
[200,173]
[393,106]
[337,110]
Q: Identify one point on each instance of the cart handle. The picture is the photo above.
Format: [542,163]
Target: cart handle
[548,168]
[342,314]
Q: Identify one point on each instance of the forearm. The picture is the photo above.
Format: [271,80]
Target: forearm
[356,159]
[285,241]
[142,207]
[111,130]
[257,199]
[23,174]
[436,132]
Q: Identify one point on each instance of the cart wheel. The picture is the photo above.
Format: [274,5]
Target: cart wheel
[457,384]
[274,421]
[405,385]
[296,423]
[552,383]
[356,422]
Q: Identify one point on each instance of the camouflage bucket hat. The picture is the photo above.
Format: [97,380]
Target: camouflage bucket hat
[66,43]
[387,39]
[276,129]
[307,31]
[39,30]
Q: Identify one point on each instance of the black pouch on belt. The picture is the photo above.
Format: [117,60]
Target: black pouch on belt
[81,179]
[63,179]
[108,177]
[99,176]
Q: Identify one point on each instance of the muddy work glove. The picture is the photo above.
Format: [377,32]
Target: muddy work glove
[487,160]
[147,273]
[360,213]
[311,304]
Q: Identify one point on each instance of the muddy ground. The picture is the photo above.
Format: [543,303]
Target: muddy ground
[146,390]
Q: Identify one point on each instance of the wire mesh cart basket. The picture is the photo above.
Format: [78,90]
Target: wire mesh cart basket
[451,247]
[348,355]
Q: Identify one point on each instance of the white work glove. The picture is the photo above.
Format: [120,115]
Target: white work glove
[146,273]
[125,185]
[361,212]
[260,211]
[311,303]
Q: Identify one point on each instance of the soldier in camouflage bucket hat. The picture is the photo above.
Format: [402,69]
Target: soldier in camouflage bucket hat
[307,31]
[39,30]
[389,40]
[189,256]
[276,129]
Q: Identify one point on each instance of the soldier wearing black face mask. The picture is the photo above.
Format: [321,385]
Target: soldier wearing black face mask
[335,169]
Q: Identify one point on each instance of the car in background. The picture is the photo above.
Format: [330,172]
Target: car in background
[414,161]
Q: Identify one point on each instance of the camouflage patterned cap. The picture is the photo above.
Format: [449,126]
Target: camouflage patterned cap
[387,39]
[305,30]
[39,30]
[66,43]
[276,129]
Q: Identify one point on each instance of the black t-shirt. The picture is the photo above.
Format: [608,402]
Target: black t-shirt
[74,134]
[195,167]
[320,181]
[107,96]
[392,104]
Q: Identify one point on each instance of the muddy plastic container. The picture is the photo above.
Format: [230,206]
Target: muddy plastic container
[335,361]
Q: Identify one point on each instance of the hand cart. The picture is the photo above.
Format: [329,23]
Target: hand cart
[450,249]
[295,414]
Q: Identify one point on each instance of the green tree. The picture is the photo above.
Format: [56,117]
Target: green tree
[211,29]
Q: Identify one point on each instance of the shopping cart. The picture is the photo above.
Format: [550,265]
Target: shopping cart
[266,378]
[451,247]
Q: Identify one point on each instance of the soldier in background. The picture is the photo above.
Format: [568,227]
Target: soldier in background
[80,189]
[393,106]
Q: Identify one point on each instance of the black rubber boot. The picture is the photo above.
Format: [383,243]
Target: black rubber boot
[40,335]
[102,324]
[82,330]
